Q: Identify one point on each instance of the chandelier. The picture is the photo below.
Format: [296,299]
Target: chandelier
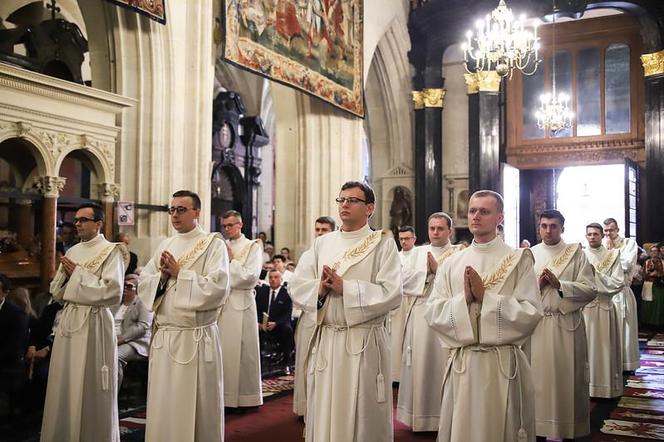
[554,114]
[502,43]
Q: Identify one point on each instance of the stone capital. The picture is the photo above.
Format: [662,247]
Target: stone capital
[429,97]
[50,186]
[489,81]
[472,83]
[108,192]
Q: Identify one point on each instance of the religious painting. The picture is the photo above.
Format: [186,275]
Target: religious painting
[154,9]
[313,45]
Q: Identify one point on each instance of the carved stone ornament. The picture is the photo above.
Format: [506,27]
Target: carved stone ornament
[109,191]
[418,100]
[489,81]
[653,64]
[23,128]
[472,83]
[56,142]
[50,186]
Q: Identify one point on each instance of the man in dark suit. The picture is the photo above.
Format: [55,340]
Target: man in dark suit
[273,300]
[13,343]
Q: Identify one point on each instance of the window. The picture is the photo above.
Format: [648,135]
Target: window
[598,67]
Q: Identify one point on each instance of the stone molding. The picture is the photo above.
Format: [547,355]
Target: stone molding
[50,186]
[108,192]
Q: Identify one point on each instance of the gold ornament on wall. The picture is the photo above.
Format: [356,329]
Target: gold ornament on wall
[653,64]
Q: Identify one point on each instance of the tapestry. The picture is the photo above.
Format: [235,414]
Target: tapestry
[154,9]
[313,45]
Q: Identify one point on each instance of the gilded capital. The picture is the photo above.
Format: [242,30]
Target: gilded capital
[434,97]
[418,100]
[472,83]
[489,81]
[653,64]
[50,186]
[108,192]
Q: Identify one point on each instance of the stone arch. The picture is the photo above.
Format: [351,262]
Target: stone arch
[38,153]
[91,158]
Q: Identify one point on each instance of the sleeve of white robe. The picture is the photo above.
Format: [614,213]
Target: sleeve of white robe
[613,281]
[57,287]
[580,292]
[510,318]
[448,313]
[367,300]
[206,290]
[303,285]
[415,273]
[87,288]
[149,280]
[628,256]
[245,276]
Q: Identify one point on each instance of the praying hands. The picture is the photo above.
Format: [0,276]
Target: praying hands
[548,277]
[330,282]
[473,287]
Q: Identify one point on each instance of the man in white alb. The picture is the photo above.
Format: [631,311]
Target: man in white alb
[602,318]
[356,282]
[81,396]
[423,356]
[185,284]
[237,321]
[485,305]
[559,354]
[306,325]
[625,300]
[394,323]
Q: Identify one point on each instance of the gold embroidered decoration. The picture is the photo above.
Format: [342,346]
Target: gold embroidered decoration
[200,246]
[500,273]
[449,253]
[607,262]
[561,260]
[615,245]
[244,253]
[93,264]
[359,250]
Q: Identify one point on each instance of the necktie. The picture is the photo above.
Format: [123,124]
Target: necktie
[272,296]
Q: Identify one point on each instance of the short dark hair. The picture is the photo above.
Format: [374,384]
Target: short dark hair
[195,199]
[369,195]
[611,220]
[495,195]
[275,270]
[552,214]
[327,220]
[97,211]
[5,282]
[441,215]
[404,229]
[229,213]
[597,226]
[286,249]
[281,257]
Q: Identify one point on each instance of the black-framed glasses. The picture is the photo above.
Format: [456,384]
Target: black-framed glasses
[131,287]
[229,225]
[179,209]
[83,219]
[350,200]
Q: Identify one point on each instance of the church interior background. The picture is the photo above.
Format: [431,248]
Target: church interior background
[100,103]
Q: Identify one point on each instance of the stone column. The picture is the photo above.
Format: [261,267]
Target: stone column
[50,188]
[428,161]
[26,223]
[484,131]
[653,209]
[107,194]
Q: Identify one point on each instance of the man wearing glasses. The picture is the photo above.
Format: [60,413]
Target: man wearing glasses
[185,284]
[237,322]
[353,280]
[81,396]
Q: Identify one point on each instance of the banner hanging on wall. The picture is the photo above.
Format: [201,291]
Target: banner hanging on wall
[154,9]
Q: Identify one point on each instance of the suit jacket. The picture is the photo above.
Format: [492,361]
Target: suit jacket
[41,329]
[136,326]
[13,336]
[280,309]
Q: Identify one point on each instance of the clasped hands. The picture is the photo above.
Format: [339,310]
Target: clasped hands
[330,283]
[168,265]
[68,265]
[267,327]
[432,264]
[547,277]
[473,286]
